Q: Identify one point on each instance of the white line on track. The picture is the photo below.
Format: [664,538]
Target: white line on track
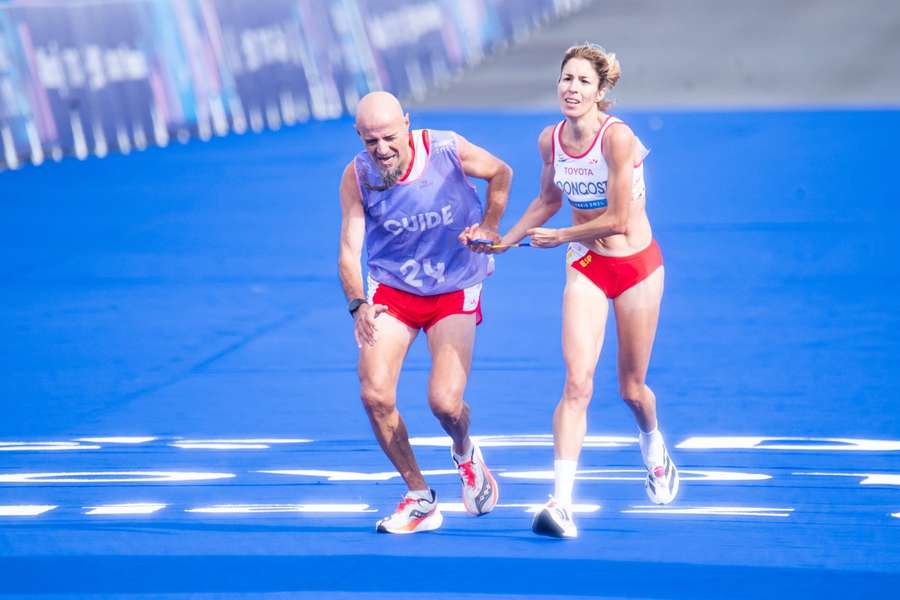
[237,444]
[527,440]
[457,507]
[25,510]
[796,444]
[136,508]
[44,446]
[117,440]
[351,475]
[230,509]
[112,477]
[712,511]
[639,475]
[867,478]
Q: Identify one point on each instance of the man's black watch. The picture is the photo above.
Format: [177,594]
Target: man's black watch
[355,304]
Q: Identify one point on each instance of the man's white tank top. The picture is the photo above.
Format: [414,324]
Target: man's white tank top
[583,179]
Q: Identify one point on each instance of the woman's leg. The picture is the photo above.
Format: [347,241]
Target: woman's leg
[637,315]
[585,309]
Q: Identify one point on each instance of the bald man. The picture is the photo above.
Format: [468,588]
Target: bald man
[408,197]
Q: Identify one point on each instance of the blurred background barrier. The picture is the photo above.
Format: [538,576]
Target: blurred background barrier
[90,77]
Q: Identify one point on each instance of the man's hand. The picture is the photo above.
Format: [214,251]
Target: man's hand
[473,235]
[545,237]
[364,326]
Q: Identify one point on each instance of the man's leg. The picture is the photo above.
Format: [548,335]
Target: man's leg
[379,371]
[451,341]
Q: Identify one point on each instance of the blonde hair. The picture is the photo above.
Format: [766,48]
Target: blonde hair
[605,64]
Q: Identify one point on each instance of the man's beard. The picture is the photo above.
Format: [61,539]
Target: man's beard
[389,178]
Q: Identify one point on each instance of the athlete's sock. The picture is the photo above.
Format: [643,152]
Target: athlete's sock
[465,456]
[564,475]
[652,446]
[424,494]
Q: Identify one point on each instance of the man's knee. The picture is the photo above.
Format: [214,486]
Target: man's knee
[378,399]
[447,403]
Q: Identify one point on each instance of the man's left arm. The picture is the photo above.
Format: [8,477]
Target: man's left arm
[478,162]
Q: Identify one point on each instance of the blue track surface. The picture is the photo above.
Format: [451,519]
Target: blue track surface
[191,294]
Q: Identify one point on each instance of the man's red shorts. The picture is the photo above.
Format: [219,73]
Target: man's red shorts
[615,274]
[422,312]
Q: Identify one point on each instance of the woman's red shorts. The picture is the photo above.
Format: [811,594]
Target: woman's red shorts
[615,274]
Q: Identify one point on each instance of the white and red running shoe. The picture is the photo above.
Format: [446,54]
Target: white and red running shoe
[479,488]
[662,480]
[554,520]
[413,514]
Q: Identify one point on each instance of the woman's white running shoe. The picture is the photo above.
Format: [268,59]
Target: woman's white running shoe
[413,515]
[662,481]
[554,520]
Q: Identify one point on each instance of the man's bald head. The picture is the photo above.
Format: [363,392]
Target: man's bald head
[377,110]
[384,131]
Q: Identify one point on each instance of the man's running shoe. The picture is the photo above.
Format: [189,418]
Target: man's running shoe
[479,488]
[662,481]
[413,514]
[554,520]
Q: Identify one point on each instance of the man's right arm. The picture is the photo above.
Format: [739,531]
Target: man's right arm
[353,231]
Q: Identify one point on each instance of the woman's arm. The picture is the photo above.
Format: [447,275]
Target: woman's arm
[618,150]
[549,199]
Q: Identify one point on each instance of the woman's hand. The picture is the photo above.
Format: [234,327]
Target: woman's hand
[545,237]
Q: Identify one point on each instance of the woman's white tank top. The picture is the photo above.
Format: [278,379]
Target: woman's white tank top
[583,179]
